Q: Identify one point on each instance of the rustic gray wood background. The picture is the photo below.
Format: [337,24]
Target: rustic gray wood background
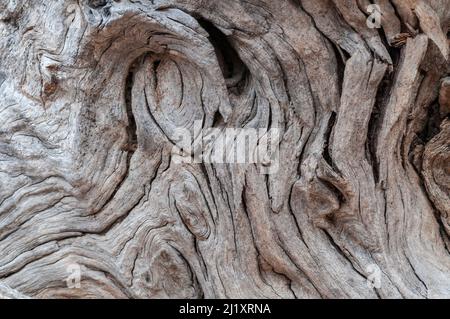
[92,91]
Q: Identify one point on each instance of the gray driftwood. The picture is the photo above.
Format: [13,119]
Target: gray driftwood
[92,91]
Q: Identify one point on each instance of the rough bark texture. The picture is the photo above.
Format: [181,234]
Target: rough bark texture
[92,91]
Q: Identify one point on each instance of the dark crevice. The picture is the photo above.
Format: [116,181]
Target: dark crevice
[218,120]
[269,123]
[97,4]
[394,52]
[376,121]
[341,59]
[131,145]
[234,71]
[131,128]
[339,195]
[445,237]
[326,150]
[156,65]
[432,126]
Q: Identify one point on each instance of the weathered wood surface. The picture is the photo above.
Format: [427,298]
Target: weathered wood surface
[91,93]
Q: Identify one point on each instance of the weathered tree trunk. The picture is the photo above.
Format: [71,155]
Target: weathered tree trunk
[92,93]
